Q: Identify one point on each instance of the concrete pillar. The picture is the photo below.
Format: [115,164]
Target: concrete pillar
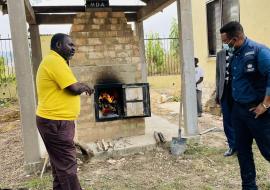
[188,67]
[25,84]
[140,34]
[36,48]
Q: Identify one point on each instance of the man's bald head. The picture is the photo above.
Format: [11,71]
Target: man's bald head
[63,45]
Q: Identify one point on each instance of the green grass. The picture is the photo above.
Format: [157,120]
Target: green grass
[8,93]
[45,183]
[39,184]
[7,102]
[200,168]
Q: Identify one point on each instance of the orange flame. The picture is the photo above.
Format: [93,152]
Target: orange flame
[107,97]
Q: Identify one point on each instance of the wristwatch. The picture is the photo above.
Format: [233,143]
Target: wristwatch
[265,106]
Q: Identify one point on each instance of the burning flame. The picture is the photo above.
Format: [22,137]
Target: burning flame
[108,102]
[107,97]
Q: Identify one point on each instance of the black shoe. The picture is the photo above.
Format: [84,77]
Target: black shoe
[230,152]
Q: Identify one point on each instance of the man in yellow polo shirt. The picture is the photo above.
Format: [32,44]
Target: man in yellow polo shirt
[58,106]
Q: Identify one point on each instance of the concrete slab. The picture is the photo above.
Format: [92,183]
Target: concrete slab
[174,107]
[137,144]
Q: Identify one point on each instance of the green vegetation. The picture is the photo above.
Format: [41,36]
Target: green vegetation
[5,76]
[162,54]
[201,167]
[37,183]
[155,55]
[7,85]
[174,43]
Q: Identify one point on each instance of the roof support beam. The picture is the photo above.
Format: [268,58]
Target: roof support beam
[68,18]
[152,7]
[74,9]
[30,15]
[55,18]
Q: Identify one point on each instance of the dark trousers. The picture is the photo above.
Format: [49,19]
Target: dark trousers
[247,129]
[226,108]
[199,101]
[58,138]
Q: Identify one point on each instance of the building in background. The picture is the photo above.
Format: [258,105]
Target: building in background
[210,15]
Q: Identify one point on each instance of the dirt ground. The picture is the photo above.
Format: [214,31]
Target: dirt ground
[201,167]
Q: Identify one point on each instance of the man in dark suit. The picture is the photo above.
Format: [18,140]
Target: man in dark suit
[224,97]
[250,71]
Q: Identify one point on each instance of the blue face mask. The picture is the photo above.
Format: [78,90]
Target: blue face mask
[228,48]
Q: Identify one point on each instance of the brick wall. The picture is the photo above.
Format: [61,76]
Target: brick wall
[106,49]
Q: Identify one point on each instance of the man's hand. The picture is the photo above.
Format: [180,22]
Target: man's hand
[79,88]
[259,110]
[89,91]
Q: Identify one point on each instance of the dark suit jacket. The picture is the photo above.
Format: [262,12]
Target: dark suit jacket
[220,73]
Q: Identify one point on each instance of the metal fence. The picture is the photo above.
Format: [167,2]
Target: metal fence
[8,89]
[162,56]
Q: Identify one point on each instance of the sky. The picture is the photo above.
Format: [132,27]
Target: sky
[160,22]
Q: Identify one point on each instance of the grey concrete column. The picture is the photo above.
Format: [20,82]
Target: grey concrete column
[36,48]
[25,84]
[188,68]
[140,34]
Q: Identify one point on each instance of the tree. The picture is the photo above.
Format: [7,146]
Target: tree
[174,42]
[5,75]
[2,69]
[154,52]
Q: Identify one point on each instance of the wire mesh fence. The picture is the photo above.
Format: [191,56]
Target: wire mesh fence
[162,56]
[8,89]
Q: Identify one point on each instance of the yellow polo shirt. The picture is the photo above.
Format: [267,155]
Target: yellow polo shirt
[54,101]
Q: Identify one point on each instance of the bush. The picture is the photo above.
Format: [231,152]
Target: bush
[154,52]
[5,76]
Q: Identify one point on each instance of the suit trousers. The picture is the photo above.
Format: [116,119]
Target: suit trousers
[226,108]
[58,138]
[247,129]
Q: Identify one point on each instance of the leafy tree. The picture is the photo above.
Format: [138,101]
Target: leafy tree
[2,69]
[154,51]
[174,42]
[5,76]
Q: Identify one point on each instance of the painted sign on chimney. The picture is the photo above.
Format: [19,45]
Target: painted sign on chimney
[97,3]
